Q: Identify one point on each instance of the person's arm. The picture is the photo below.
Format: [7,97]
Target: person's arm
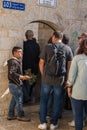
[24,77]
[12,68]
[41,66]
[69,58]
[67,69]
[69,89]
[67,73]
[42,60]
[72,76]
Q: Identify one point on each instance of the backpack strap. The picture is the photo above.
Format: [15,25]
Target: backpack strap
[58,45]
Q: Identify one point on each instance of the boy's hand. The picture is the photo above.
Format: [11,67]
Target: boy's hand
[24,77]
[27,77]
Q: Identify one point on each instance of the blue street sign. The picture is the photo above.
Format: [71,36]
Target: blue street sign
[13,5]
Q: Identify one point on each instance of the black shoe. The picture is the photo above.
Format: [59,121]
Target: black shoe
[11,117]
[25,119]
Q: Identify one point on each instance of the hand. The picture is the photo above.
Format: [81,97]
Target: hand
[67,85]
[25,77]
[69,89]
[69,92]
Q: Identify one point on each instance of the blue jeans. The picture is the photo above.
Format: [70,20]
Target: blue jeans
[84,111]
[16,100]
[50,104]
[57,102]
[28,92]
[79,106]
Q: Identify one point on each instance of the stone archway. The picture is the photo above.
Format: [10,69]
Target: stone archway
[50,24]
[45,30]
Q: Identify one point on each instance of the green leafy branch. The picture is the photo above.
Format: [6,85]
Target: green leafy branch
[33,78]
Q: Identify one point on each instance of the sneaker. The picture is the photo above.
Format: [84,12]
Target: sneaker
[53,127]
[11,117]
[42,126]
[25,119]
[72,123]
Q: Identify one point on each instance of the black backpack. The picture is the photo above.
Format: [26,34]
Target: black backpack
[56,66]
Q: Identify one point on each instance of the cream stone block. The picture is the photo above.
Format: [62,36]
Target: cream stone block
[19,42]
[3,33]
[70,14]
[72,3]
[48,14]
[4,55]
[83,3]
[3,82]
[31,3]
[10,21]
[82,14]
[6,43]
[15,33]
[84,27]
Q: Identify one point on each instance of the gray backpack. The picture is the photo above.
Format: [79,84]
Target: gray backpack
[56,66]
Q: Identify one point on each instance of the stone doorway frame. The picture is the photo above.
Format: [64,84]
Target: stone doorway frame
[52,25]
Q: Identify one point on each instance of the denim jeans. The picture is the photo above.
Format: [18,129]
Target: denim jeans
[50,104]
[29,92]
[26,91]
[57,102]
[84,111]
[16,100]
[78,106]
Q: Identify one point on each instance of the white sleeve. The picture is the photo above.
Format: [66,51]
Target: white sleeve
[73,72]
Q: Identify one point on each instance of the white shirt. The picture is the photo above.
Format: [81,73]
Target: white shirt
[78,77]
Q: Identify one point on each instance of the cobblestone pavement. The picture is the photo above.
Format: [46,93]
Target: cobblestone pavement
[33,112]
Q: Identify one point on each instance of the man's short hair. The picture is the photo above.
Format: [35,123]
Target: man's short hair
[29,33]
[58,34]
[15,48]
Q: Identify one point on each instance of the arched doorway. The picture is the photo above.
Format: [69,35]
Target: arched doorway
[45,30]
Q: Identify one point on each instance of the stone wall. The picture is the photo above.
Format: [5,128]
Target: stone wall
[70,16]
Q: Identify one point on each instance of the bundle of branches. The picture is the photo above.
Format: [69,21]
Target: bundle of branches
[33,78]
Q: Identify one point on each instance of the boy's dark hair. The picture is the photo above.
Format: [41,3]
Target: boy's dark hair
[15,48]
[58,34]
